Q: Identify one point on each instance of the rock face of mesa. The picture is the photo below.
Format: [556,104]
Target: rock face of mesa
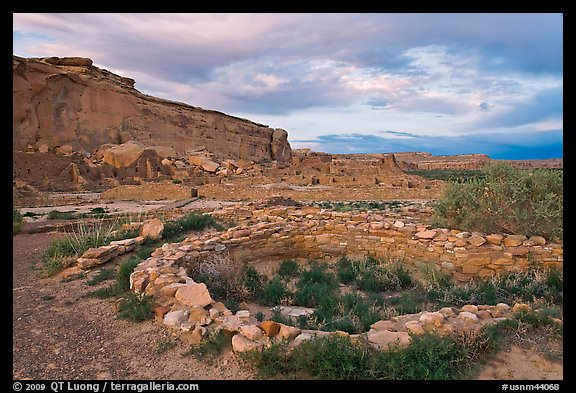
[70,103]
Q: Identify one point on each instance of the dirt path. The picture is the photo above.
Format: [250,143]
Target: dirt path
[60,334]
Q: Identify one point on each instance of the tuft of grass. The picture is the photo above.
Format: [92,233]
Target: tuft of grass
[122,284]
[136,308]
[164,345]
[102,275]
[210,347]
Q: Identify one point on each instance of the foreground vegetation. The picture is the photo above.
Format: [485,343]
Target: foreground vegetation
[515,201]
[64,251]
[377,289]
[428,357]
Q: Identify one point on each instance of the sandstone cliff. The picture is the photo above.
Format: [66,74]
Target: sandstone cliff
[69,102]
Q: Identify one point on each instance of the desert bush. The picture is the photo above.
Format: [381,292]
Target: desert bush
[373,275]
[102,275]
[122,283]
[175,230]
[58,215]
[429,357]
[210,347]
[227,278]
[288,268]
[274,291]
[17,221]
[508,200]
[530,286]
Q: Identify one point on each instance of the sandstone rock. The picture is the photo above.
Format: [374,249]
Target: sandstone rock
[243,314]
[220,307]
[470,308]
[213,313]
[173,319]
[160,312]
[280,149]
[483,314]
[468,316]
[194,295]
[152,229]
[495,238]
[384,325]
[187,326]
[447,312]
[399,224]
[302,337]
[271,328]
[123,155]
[96,256]
[429,234]
[476,240]
[514,240]
[414,327]
[386,339]
[432,318]
[170,289]
[231,324]
[198,333]
[537,240]
[242,344]
[204,163]
[196,313]
[288,332]
[71,271]
[521,307]
[251,332]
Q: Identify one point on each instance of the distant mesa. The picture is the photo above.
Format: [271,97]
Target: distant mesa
[66,110]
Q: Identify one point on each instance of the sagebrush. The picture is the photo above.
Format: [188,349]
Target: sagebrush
[508,200]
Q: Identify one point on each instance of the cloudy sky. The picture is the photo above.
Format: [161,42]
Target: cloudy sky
[340,83]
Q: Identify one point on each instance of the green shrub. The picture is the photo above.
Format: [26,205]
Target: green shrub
[278,317]
[102,275]
[17,221]
[136,308]
[174,230]
[529,286]
[58,215]
[210,347]
[508,200]
[312,294]
[273,361]
[124,272]
[274,292]
[346,272]
[334,357]
[288,268]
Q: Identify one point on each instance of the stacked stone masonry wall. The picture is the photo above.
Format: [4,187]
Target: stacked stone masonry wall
[314,233]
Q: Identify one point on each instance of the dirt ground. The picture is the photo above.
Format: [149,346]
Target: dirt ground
[58,333]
